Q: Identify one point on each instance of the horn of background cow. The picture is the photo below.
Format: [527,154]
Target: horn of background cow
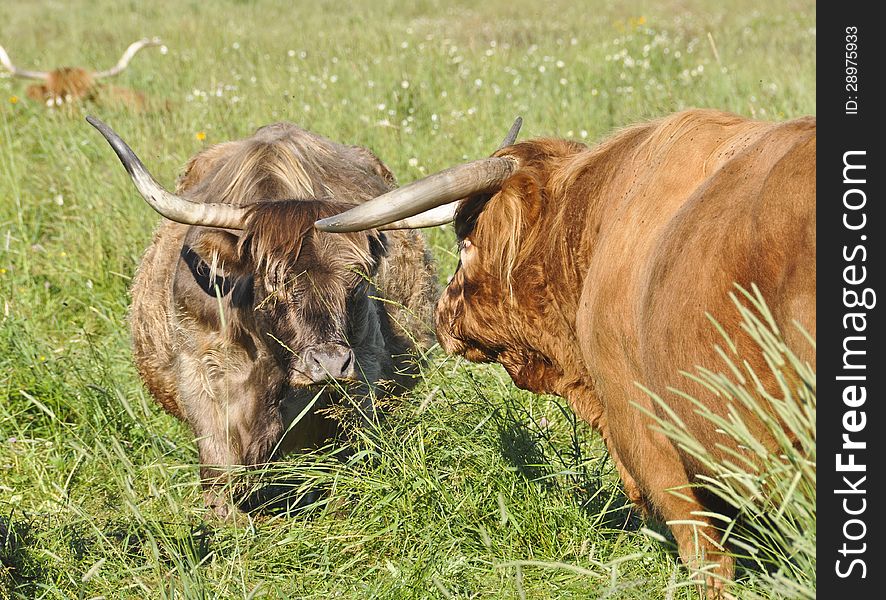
[131,51]
[476,177]
[16,72]
[441,215]
[174,208]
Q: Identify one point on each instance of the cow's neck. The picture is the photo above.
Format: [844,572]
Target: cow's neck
[551,278]
[577,188]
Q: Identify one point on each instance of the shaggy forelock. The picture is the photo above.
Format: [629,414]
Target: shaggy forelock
[281,161]
[282,244]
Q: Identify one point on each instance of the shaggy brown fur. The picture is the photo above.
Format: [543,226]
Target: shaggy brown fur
[224,323]
[64,85]
[620,251]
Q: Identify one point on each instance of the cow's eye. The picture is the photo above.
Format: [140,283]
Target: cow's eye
[466,250]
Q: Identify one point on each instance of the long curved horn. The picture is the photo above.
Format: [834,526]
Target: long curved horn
[445,213]
[16,72]
[134,47]
[476,177]
[174,208]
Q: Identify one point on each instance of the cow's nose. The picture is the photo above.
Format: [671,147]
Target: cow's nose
[330,362]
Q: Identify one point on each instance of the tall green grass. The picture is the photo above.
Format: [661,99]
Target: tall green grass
[474,489]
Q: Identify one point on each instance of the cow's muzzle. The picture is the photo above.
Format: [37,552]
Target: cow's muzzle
[324,363]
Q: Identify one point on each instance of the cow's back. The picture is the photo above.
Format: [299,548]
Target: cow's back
[708,200]
[407,279]
[751,224]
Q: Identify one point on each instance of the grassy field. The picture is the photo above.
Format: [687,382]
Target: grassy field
[475,489]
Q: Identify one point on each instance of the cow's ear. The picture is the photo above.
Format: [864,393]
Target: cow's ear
[214,260]
[520,197]
[515,205]
[468,213]
[375,164]
[221,251]
[37,92]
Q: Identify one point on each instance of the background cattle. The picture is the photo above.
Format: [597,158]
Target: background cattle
[72,84]
[245,319]
[585,271]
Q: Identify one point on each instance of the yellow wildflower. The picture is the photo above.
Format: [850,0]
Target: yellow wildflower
[13,99]
[200,135]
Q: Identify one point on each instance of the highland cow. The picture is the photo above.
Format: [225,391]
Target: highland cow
[66,85]
[247,323]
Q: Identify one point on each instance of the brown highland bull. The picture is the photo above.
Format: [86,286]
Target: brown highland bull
[244,317]
[66,85]
[584,271]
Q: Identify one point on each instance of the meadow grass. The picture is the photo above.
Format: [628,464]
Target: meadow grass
[474,489]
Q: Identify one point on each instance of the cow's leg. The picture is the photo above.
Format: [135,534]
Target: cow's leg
[631,487]
[223,445]
[232,425]
[698,540]
[297,423]
[220,450]
[661,475]
[217,491]
[589,408]
[652,472]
